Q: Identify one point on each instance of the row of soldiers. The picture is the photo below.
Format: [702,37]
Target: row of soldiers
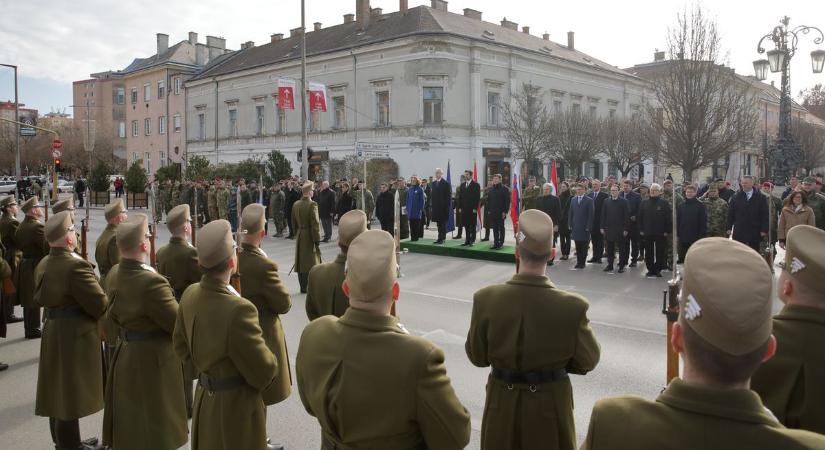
[190,322]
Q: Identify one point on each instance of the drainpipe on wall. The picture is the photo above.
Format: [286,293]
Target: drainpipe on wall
[217,153]
[168,141]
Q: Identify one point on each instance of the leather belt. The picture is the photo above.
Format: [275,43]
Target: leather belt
[138,336]
[533,378]
[69,312]
[328,444]
[220,384]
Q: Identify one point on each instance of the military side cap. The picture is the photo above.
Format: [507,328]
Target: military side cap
[63,205]
[804,256]
[253,218]
[178,216]
[30,204]
[535,232]
[113,209]
[371,266]
[215,244]
[810,180]
[307,187]
[7,200]
[132,232]
[350,226]
[58,226]
[726,295]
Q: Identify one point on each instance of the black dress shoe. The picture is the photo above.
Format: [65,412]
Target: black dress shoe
[633,264]
[485,240]
[34,334]
[658,274]
[3,366]
[650,275]
[458,237]
[608,269]
[439,242]
[13,319]
[564,258]
[621,269]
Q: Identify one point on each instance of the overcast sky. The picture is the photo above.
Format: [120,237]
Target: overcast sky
[55,42]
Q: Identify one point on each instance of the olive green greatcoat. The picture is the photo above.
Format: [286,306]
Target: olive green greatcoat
[791,383]
[361,199]
[817,203]
[691,417]
[371,385]
[30,239]
[222,199]
[212,203]
[261,284]
[178,262]
[8,227]
[276,209]
[107,255]
[70,374]
[217,330]
[145,406]
[527,325]
[325,296]
[307,234]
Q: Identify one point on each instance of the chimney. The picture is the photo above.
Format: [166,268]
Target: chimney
[276,37]
[216,45]
[509,25]
[247,44]
[571,40]
[525,30]
[362,13]
[403,6]
[349,18]
[376,12]
[295,32]
[471,13]
[317,26]
[163,43]
[201,54]
[439,5]
[658,56]
[193,37]
[546,36]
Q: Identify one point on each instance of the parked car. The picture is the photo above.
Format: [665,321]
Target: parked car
[63,186]
[8,187]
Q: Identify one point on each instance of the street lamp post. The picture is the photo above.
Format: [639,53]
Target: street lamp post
[16,128]
[785,155]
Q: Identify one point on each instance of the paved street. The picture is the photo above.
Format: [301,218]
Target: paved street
[436,302]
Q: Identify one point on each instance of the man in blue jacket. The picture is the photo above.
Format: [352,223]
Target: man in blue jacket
[580,220]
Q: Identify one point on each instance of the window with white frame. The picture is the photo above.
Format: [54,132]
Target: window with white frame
[163,159]
[611,113]
[280,119]
[120,96]
[493,109]
[134,95]
[178,85]
[147,127]
[161,89]
[260,118]
[201,126]
[147,92]
[121,129]
[233,123]
[134,157]
[135,130]
[557,106]
[593,111]
[433,105]
[382,101]
[577,108]
[176,122]
[162,125]
[339,111]
[147,162]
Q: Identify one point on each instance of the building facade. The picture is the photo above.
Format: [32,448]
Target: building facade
[102,99]
[425,84]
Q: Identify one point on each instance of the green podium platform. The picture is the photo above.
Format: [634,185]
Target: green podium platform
[452,247]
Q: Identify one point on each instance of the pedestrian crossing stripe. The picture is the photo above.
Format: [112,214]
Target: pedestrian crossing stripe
[796,265]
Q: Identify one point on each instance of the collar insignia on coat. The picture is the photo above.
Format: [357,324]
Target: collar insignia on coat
[520,236]
[232,290]
[148,268]
[693,310]
[263,252]
[403,328]
[796,265]
[75,255]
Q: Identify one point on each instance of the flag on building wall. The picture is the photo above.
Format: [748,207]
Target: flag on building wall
[317,97]
[286,93]
[450,211]
[479,223]
[554,178]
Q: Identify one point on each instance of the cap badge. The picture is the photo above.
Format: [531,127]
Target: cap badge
[796,265]
[521,236]
[692,308]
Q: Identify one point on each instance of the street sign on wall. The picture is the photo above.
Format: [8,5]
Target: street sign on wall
[370,150]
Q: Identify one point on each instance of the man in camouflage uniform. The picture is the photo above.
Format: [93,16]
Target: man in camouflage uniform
[176,191]
[367,198]
[774,209]
[186,197]
[212,202]
[222,199]
[167,196]
[157,200]
[668,195]
[276,209]
[717,211]
[404,222]
[530,195]
[816,201]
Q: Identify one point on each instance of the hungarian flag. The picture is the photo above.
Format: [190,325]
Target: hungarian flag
[554,178]
[475,178]
[317,97]
[515,208]
[286,93]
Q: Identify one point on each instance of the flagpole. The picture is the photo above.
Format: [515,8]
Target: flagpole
[304,156]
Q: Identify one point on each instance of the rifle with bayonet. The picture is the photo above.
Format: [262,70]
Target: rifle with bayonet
[397,235]
[46,197]
[670,301]
[84,228]
[235,280]
[152,226]
[195,217]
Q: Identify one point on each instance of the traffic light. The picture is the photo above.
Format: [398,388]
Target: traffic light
[57,167]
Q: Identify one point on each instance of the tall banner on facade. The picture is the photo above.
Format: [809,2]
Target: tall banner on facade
[286,93]
[317,93]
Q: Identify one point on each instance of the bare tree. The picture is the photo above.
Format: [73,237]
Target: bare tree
[812,141]
[576,138]
[626,142]
[706,110]
[527,124]
[813,99]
